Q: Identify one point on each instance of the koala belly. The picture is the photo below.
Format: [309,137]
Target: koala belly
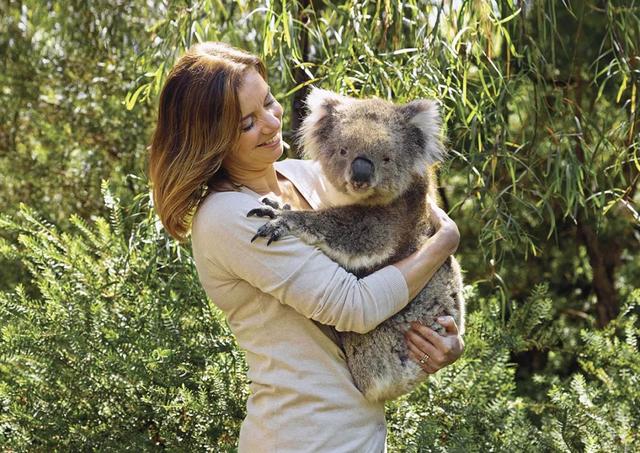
[379,360]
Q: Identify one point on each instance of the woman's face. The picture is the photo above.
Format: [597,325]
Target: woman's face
[260,142]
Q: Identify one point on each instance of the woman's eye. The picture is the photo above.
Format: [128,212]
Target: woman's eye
[269,102]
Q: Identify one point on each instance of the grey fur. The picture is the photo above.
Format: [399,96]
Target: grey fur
[377,222]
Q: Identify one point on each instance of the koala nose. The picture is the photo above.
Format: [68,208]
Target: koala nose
[361,169]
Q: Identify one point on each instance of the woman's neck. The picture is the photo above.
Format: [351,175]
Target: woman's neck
[262,181]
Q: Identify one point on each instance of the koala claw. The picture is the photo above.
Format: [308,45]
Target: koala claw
[269,202]
[262,212]
[274,230]
[275,205]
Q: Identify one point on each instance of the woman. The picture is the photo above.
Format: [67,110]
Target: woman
[219,127]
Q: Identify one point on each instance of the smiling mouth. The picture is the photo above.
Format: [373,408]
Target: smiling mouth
[275,139]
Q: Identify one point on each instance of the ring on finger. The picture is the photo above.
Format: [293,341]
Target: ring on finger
[424,359]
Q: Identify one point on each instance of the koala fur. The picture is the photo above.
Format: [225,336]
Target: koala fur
[377,158]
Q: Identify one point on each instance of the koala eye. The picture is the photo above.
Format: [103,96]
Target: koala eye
[343,152]
[386,159]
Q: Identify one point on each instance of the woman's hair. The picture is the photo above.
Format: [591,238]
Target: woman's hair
[198,125]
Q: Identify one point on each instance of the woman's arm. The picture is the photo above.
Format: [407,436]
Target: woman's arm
[429,349]
[299,275]
[294,273]
[419,267]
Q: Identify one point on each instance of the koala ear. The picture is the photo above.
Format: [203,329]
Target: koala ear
[425,115]
[321,103]
[321,106]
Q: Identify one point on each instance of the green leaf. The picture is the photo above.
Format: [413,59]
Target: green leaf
[130,99]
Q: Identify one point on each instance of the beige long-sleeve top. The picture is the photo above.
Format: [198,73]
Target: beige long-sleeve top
[276,299]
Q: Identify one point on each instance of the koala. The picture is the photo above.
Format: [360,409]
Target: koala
[377,158]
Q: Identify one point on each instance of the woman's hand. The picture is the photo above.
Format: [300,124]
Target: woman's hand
[431,350]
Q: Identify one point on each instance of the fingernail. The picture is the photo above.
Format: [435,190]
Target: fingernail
[442,319]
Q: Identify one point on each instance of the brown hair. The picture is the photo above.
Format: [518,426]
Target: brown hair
[198,125]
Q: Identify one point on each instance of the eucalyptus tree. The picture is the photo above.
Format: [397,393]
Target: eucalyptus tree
[111,343]
[540,100]
[66,68]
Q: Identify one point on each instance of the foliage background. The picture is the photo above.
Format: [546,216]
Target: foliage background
[107,341]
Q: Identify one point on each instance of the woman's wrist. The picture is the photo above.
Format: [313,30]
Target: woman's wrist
[420,266]
[447,234]
[447,238]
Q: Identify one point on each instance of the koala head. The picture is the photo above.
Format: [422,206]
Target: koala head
[371,148]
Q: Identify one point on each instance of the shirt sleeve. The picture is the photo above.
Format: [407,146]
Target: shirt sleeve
[293,272]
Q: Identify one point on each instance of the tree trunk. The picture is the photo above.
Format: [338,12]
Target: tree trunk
[297,112]
[602,265]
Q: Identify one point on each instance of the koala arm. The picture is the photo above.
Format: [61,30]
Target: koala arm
[357,237]
[293,272]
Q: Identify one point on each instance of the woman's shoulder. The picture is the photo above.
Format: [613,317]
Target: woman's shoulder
[223,210]
[227,199]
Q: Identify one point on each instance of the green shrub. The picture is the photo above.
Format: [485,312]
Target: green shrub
[475,406]
[118,348]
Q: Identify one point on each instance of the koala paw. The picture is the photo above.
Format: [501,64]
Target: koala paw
[277,227]
[273,230]
[271,210]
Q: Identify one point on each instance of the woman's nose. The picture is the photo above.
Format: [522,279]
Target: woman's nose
[273,120]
